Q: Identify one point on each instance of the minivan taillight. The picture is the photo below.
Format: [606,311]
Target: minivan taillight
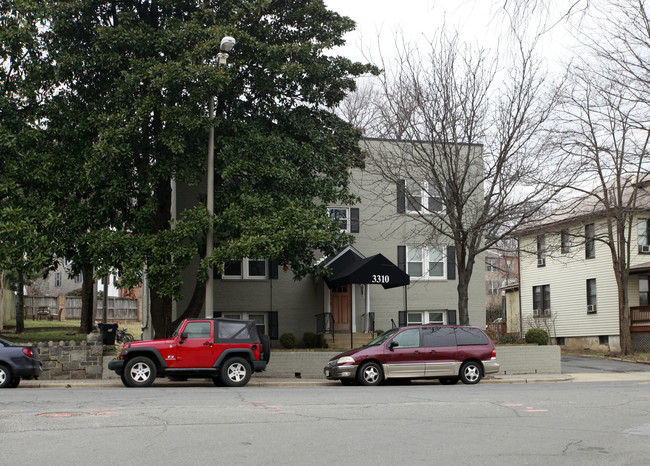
[28,352]
[494,354]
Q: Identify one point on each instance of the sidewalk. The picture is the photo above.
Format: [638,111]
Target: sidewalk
[284,382]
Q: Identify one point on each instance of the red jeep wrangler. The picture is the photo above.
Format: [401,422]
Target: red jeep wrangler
[225,350]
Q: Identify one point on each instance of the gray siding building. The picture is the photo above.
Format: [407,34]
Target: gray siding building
[383,222]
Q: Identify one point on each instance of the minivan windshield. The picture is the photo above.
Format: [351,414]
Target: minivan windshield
[383,337]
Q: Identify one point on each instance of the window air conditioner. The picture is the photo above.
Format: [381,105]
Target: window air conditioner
[591,308]
[541,262]
[535,312]
[547,312]
[644,248]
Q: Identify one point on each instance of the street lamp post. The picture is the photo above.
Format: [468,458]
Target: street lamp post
[227,43]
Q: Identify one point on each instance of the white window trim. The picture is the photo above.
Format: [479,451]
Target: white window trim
[424,318]
[245,274]
[491,264]
[245,316]
[425,194]
[425,263]
[347,216]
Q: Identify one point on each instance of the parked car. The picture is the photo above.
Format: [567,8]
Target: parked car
[225,350]
[446,353]
[17,362]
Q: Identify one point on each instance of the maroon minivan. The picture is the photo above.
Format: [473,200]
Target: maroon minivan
[446,353]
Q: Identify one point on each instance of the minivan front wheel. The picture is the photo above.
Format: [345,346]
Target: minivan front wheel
[470,373]
[370,373]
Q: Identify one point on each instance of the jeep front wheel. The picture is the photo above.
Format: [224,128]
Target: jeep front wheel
[236,372]
[139,372]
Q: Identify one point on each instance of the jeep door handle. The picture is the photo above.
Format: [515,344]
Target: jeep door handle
[207,343]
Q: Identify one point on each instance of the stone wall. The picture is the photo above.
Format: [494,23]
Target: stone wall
[72,359]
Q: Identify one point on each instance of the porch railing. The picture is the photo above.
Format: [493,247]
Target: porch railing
[325,324]
[640,315]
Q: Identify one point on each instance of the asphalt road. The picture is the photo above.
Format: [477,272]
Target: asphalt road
[585,364]
[570,423]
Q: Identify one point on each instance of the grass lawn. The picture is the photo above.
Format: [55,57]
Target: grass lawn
[53,330]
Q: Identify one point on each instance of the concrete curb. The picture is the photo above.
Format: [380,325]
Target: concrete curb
[275,382]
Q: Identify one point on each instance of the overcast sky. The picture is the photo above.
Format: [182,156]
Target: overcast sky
[480,22]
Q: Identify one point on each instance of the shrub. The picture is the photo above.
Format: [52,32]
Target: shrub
[537,335]
[310,339]
[288,340]
[508,339]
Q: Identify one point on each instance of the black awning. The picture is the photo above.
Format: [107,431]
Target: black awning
[373,270]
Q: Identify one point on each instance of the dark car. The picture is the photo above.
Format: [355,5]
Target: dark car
[446,353]
[17,362]
[225,350]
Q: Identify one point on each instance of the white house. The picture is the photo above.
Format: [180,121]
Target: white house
[567,280]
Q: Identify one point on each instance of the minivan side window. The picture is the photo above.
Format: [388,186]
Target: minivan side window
[438,336]
[466,336]
[409,338]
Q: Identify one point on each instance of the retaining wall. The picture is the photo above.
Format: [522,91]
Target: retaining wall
[72,359]
[513,360]
[84,360]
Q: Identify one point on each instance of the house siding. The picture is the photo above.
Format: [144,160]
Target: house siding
[381,230]
[567,273]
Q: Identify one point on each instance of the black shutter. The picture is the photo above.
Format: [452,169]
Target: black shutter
[451,316]
[216,314]
[401,258]
[451,262]
[402,318]
[216,272]
[273,270]
[273,325]
[401,196]
[354,220]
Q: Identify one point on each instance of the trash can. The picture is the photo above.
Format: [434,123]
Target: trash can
[108,333]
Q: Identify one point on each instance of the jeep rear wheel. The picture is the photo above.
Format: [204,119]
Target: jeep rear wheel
[236,372]
[139,372]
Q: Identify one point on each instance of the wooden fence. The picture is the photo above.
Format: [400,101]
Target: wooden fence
[119,309]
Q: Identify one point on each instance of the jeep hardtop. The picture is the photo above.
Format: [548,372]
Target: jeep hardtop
[225,350]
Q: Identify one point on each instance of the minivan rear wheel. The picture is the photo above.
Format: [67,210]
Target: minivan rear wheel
[370,373]
[470,373]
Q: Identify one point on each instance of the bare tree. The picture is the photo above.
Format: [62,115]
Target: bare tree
[474,141]
[607,134]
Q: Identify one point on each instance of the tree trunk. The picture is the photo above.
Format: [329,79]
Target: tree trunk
[624,321]
[463,298]
[87,301]
[161,315]
[161,307]
[196,304]
[20,304]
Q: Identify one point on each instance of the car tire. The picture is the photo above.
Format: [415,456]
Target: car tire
[448,380]
[139,372]
[5,376]
[236,372]
[266,348]
[217,381]
[470,373]
[14,382]
[370,373]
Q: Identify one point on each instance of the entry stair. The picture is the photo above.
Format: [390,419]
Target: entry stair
[341,340]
